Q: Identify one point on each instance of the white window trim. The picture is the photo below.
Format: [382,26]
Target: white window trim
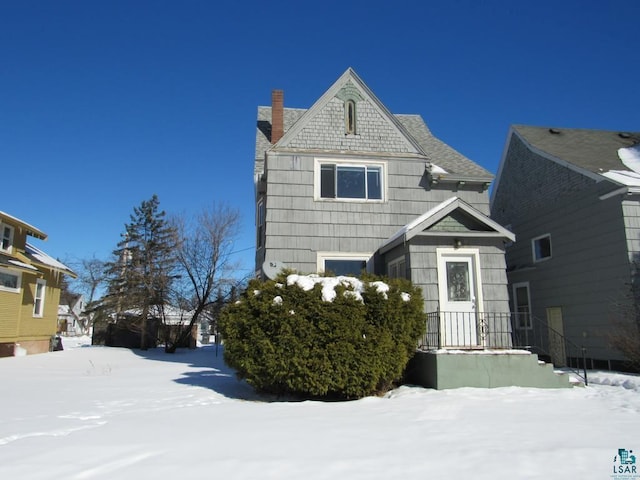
[361,256]
[533,248]
[19,282]
[515,286]
[11,237]
[39,314]
[318,161]
[395,262]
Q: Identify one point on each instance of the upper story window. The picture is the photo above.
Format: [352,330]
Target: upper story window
[9,281]
[38,298]
[6,242]
[541,247]
[350,181]
[350,117]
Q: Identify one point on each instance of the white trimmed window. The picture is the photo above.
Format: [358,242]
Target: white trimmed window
[38,298]
[337,263]
[9,281]
[541,248]
[397,268]
[349,180]
[522,305]
[6,242]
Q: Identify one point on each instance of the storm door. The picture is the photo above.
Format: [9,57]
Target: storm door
[458,286]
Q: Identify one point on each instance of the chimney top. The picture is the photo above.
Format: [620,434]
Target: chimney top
[277,115]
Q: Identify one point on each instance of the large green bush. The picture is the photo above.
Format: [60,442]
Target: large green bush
[286,340]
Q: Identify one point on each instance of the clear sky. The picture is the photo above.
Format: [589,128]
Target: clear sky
[104,103]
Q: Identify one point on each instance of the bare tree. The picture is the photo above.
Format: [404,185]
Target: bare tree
[91,276]
[204,252]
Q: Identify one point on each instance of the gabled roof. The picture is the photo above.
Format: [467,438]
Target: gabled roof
[412,127]
[16,222]
[350,77]
[422,224]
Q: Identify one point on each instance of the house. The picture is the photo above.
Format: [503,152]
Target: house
[29,290]
[72,320]
[346,186]
[572,196]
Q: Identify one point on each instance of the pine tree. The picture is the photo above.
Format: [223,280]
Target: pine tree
[140,276]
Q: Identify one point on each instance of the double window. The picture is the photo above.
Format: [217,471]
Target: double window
[397,268]
[350,181]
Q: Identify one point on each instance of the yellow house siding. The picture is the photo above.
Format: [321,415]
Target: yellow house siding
[39,327]
[9,315]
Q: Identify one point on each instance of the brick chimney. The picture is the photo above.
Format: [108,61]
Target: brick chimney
[277,115]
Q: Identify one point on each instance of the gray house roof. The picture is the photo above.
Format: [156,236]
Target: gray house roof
[592,150]
[436,150]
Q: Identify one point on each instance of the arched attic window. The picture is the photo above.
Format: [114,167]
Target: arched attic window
[350,117]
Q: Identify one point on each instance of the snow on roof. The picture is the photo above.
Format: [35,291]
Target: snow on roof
[624,177]
[20,264]
[630,156]
[41,257]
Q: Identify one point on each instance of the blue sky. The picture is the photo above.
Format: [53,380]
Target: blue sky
[103,104]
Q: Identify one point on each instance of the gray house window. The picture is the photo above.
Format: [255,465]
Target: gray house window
[351,181]
[350,117]
[541,247]
[345,267]
[260,224]
[522,305]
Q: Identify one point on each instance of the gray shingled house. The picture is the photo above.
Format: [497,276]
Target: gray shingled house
[572,196]
[347,186]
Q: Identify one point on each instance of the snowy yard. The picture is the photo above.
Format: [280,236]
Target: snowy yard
[98,413]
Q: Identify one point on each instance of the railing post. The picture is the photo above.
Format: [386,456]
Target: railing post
[584,365]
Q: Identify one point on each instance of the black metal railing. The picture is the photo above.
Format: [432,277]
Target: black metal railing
[498,330]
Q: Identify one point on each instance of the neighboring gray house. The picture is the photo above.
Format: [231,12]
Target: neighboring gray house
[572,197]
[346,186]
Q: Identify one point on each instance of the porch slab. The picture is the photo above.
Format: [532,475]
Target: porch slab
[443,369]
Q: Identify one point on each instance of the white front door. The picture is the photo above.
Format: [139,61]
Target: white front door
[459,287]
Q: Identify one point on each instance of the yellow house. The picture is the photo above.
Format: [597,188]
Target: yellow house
[30,283]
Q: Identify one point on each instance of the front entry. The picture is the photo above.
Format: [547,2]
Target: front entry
[460,299]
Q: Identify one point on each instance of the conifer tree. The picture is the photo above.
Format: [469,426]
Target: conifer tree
[141,273]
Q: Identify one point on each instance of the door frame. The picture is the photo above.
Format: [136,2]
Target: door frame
[472,254]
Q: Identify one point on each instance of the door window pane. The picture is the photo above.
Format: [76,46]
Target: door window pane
[458,282]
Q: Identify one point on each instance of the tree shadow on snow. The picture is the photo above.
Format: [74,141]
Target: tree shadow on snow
[212,372]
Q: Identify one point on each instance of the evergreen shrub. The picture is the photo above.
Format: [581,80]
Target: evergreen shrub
[285,340]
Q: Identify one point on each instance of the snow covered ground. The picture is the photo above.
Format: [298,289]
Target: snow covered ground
[98,413]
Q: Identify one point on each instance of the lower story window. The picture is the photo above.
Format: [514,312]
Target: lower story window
[343,264]
[38,300]
[9,281]
[397,268]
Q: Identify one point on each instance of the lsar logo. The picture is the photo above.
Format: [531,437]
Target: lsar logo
[624,465]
